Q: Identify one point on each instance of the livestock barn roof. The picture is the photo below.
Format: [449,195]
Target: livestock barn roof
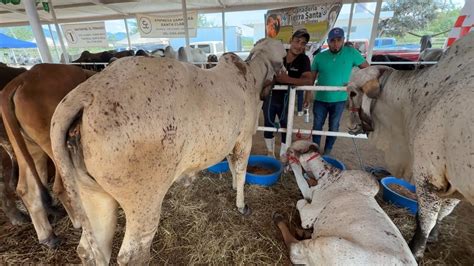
[93,10]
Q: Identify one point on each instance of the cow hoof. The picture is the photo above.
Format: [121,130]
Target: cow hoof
[277,218]
[433,238]
[51,242]
[417,250]
[246,211]
[434,235]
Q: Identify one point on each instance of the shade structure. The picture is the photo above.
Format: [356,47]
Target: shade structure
[7,42]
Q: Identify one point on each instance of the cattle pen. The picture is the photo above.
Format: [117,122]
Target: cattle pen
[200,225]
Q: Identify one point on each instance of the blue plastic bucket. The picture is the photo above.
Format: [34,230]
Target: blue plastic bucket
[265,162]
[219,168]
[334,162]
[391,196]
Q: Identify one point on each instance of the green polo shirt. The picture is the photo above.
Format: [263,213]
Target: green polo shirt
[335,70]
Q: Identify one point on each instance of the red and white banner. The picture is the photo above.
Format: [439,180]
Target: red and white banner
[464,24]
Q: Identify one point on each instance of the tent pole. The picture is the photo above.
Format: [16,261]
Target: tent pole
[60,35]
[185,18]
[30,7]
[14,57]
[54,42]
[350,22]
[223,29]
[128,34]
[375,25]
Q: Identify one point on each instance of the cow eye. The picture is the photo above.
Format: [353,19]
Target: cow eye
[352,94]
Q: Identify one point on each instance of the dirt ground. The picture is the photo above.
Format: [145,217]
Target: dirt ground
[199,223]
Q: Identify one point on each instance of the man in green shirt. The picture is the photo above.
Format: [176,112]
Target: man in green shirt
[332,67]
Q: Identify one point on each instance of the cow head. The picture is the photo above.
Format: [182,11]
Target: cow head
[363,89]
[271,52]
[300,153]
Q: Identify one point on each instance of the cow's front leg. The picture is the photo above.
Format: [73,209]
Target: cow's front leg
[238,161]
[429,205]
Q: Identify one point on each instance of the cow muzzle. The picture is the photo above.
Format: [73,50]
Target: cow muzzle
[361,123]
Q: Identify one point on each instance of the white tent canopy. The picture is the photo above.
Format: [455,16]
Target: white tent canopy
[89,10]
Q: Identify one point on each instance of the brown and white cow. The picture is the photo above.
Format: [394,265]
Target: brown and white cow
[423,121]
[139,125]
[349,227]
[9,168]
[27,105]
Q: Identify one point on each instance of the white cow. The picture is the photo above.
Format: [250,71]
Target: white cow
[169,52]
[137,126]
[191,55]
[349,227]
[423,120]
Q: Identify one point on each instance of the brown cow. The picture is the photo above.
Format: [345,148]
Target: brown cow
[102,57]
[9,166]
[27,105]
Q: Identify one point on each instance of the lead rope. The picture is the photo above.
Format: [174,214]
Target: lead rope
[358,154]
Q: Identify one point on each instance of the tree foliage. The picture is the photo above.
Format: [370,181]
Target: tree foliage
[412,15]
[22,33]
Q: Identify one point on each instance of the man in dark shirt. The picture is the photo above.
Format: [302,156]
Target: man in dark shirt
[298,73]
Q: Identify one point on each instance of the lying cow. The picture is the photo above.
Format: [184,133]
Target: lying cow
[423,122]
[349,227]
[27,105]
[9,171]
[136,127]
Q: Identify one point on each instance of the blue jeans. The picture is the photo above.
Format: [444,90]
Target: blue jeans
[300,97]
[321,111]
[270,111]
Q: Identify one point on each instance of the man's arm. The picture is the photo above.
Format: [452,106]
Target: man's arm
[364,64]
[305,79]
[309,95]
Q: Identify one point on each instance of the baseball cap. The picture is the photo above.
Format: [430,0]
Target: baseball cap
[301,33]
[335,33]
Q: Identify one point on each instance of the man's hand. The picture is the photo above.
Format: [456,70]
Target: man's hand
[282,77]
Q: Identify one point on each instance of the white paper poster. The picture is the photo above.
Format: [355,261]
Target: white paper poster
[166,26]
[85,34]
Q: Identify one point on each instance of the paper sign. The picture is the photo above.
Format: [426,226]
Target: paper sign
[85,35]
[166,26]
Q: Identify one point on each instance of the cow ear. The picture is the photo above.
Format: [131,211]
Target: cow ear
[372,88]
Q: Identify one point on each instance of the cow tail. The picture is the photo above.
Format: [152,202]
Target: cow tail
[67,150]
[12,127]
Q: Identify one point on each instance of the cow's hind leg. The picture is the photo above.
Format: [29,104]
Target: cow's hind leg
[447,206]
[101,211]
[36,197]
[60,192]
[429,207]
[142,218]
[238,161]
[7,190]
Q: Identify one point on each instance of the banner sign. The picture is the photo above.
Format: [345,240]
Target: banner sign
[464,23]
[166,26]
[317,19]
[85,35]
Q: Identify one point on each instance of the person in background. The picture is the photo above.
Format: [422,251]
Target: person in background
[298,73]
[332,67]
